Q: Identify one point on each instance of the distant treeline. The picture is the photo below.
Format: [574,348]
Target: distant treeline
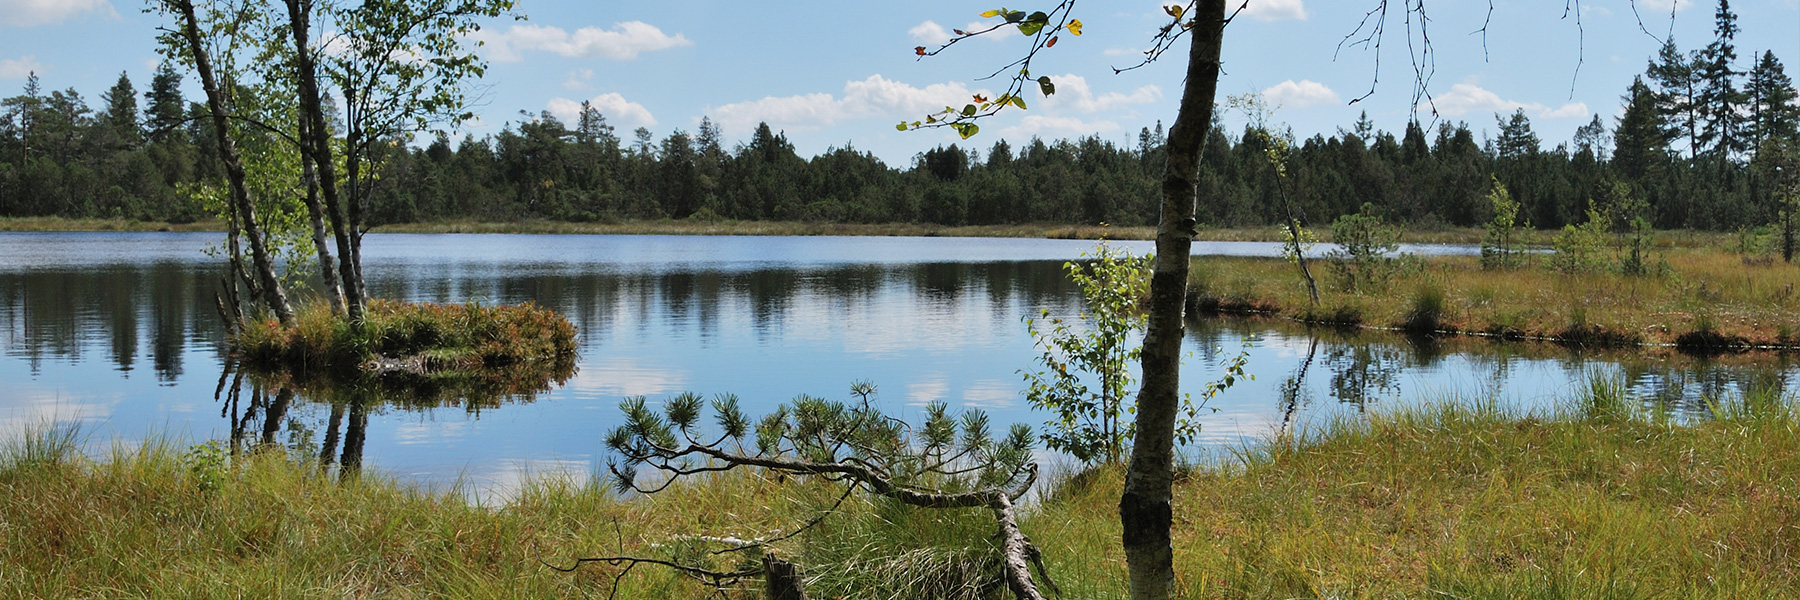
[1699,147]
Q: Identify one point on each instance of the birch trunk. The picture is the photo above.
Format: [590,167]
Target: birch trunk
[1144,508]
[271,291]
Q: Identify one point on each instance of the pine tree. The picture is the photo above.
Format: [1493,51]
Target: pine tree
[1516,139]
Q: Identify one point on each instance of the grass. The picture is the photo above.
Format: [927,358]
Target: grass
[1602,500]
[64,224]
[419,338]
[1711,300]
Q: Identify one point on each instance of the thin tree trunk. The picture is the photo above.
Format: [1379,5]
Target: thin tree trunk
[318,146]
[234,167]
[334,287]
[1293,225]
[1144,507]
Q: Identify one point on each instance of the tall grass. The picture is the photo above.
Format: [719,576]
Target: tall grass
[1468,500]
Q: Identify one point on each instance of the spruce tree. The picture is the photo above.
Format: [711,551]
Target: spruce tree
[1772,110]
[121,118]
[1720,101]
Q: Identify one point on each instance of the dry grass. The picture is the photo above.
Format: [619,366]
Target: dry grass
[62,224]
[1706,291]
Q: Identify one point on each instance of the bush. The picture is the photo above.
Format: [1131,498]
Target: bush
[1500,246]
[1578,249]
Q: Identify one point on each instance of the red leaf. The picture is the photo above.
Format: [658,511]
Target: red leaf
[920,50]
[1052,42]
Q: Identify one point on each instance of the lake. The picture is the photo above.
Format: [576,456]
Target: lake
[118,332]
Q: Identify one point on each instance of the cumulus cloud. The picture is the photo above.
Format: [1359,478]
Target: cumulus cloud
[1465,98]
[1300,94]
[1276,10]
[20,67]
[1073,92]
[929,33]
[878,96]
[616,108]
[874,96]
[26,13]
[623,42]
[1044,126]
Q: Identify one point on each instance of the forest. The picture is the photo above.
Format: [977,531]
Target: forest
[1701,143]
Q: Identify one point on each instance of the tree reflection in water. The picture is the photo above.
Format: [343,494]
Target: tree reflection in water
[273,394]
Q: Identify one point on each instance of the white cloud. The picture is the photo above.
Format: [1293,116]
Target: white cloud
[1044,126]
[578,79]
[26,13]
[1666,5]
[929,33]
[20,67]
[1276,10]
[1073,91]
[616,108]
[872,97]
[1465,98]
[878,96]
[623,42]
[1300,94]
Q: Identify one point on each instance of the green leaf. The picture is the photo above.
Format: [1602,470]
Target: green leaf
[968,111]
[990,13]
[1045,86]
[966,129]
[1019,102]
[901,126]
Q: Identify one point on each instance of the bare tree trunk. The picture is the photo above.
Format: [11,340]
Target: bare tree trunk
[782,580]
[234,167]
[1145,508]
[315,142]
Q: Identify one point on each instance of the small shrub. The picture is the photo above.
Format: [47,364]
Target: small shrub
[1501,247]
[1578,248]
[1364,243]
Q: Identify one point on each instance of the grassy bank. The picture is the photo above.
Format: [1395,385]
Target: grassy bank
[1463,502]
[417,338]
[1709,295]
[62,224]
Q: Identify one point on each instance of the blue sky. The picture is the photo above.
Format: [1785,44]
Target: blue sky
[836,73]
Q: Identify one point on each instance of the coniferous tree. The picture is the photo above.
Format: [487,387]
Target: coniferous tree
[121,117]
[1773,113]
[1720,100]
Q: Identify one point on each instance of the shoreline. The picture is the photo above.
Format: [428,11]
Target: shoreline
[1456,235]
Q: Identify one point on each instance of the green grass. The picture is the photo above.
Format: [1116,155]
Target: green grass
[1710,296]
[1601,500]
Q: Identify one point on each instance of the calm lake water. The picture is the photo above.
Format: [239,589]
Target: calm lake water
[118,332]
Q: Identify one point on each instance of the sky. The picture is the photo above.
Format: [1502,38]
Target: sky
[836,74]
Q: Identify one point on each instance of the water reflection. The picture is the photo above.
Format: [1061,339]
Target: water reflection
[927,320]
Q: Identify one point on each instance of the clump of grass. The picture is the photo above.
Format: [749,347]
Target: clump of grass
[412,337]
[1427,313]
